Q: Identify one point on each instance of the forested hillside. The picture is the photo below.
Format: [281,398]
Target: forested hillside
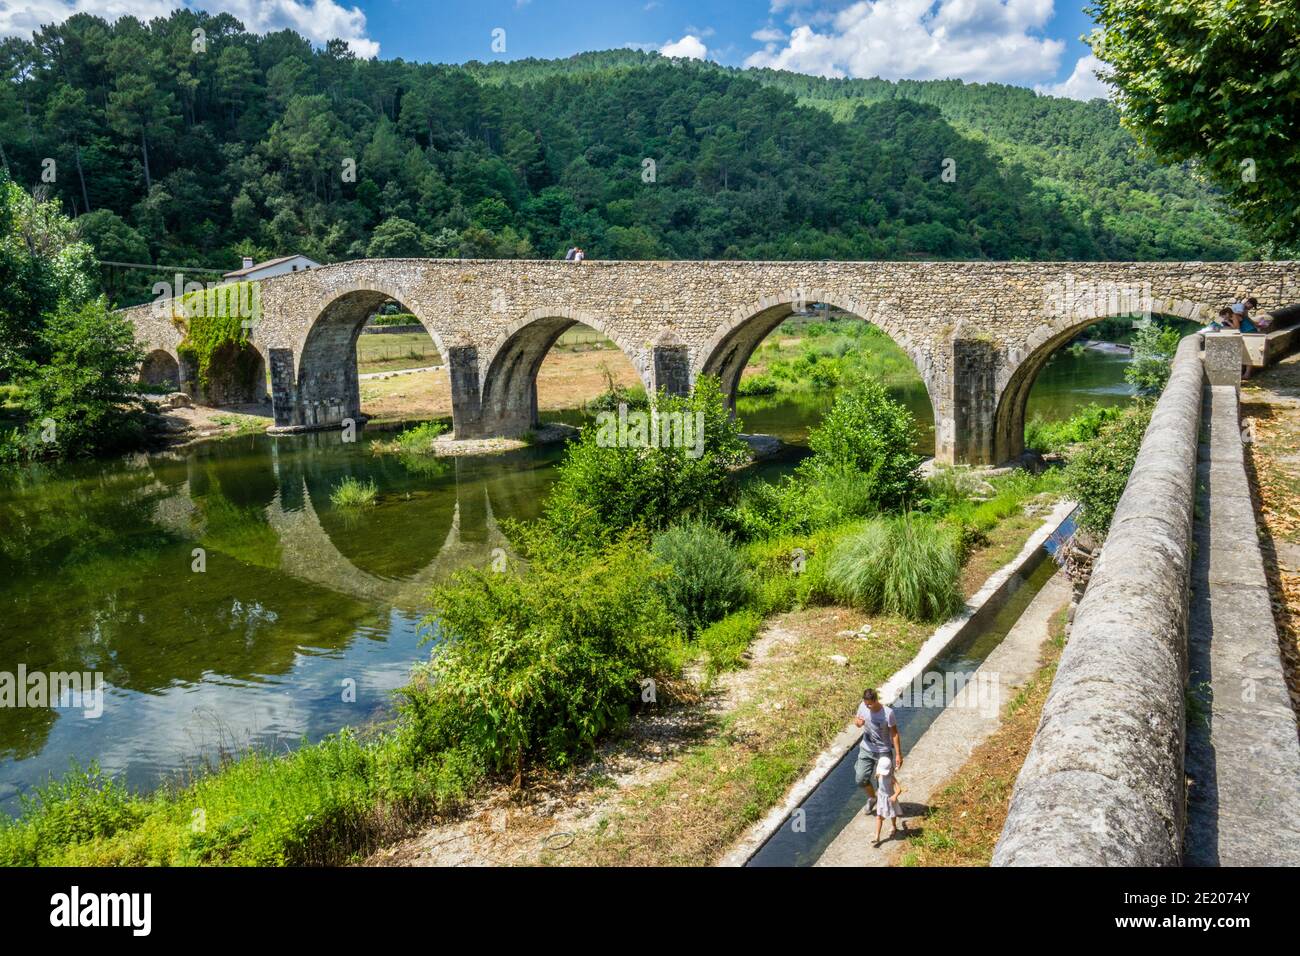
[173,151]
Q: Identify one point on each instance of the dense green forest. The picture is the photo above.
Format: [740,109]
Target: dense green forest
[177,150]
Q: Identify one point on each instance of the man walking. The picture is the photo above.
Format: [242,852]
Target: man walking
[879,739]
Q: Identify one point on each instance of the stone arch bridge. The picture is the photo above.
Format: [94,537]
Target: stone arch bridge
[978,332]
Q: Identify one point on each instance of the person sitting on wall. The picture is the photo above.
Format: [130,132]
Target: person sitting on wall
[1222,321]
[1242,311]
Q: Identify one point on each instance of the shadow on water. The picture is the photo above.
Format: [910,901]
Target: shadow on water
[837,799]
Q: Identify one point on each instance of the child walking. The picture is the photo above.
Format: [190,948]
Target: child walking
[887,790]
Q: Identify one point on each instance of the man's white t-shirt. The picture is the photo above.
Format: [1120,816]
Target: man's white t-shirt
[876,736]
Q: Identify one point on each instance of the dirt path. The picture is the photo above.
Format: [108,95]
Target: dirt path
[954,735]
[1270,417]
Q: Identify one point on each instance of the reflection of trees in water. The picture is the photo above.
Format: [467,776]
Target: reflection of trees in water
[96,561]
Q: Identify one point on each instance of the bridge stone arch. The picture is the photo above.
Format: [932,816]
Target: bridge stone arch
[728,352]
[1020,369]
[161,367]
[508,380]
[317,384]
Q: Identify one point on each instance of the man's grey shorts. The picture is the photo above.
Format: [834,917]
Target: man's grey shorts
[864,768]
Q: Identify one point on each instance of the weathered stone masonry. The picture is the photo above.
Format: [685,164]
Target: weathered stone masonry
[978,332]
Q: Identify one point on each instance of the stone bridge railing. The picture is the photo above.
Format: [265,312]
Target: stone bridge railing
[1103,783]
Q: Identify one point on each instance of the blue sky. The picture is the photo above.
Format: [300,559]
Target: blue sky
[1027,42]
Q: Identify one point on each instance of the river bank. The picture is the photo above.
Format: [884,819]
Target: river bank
[687,781]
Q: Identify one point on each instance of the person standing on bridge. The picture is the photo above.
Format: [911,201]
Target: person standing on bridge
[879,739]
[573,252]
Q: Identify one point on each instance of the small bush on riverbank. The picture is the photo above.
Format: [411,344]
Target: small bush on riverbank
[706,579]
[420,439]
[351,493]
[801,504]
[82,400]
[1083,425]
[606,485]
[757,385]
[1098,472]
[868,433]
[539,664]
[907,565]
[1153,359]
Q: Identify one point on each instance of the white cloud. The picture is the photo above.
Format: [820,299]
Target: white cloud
[975,40]
[1082,84]
[768,35]
[318,20]
[690,46]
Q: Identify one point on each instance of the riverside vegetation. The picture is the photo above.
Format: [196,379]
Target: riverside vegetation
[532,666]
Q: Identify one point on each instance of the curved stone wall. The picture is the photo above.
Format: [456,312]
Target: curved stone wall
[1103,783]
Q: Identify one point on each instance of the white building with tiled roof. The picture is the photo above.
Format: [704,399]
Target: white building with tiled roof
[271,267]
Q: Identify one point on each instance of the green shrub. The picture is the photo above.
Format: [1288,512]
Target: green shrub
[351,493]
[603,489]
[541,664]
[948,489]
[757,385]
[801,504]
[866,431]
[1098,472]
[419,440]
[907,565]
[634,398]
[706,579]
[1153,359]
[1085,424]
[82,400]
[724,643]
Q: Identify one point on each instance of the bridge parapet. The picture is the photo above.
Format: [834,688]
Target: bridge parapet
[1107,758]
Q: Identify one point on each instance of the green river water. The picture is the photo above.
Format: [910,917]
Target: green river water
[304,619]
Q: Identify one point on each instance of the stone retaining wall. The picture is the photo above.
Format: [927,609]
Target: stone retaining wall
[1103,784]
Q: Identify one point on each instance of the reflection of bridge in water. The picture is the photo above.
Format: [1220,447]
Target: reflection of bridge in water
[308,553]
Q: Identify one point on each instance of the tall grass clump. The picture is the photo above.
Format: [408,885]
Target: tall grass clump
[351,493]
[724,642]
[907,565]
[706,578]
[420,439]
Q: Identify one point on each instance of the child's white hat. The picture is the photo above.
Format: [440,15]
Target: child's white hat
[883,766]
